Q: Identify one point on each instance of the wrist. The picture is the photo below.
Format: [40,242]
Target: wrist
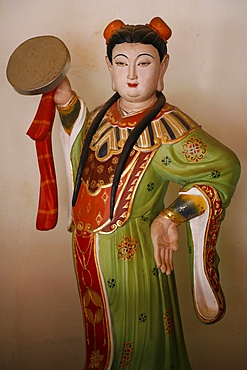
[68,107]
[172,216]
[184,208]
[69,113]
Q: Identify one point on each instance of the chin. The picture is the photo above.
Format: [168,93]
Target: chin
[134,95]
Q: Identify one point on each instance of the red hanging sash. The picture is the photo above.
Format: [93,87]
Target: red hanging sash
[40,132]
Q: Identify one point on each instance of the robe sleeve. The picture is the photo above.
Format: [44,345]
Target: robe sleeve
[208,173]
[71,135]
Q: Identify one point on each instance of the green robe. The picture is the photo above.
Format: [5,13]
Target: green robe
[145,330]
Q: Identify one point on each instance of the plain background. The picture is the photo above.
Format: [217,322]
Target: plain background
[40,314]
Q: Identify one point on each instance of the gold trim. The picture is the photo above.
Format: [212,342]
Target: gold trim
[121,124]
[167,141]
[176,122]
[68,108]
[131,195]
[216,214]
[106,134]
[172,216]
[106,310]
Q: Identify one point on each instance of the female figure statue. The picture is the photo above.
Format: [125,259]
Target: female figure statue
[123,156]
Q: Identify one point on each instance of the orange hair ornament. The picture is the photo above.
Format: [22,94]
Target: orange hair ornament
[161,28]
[112,28]
[156,24]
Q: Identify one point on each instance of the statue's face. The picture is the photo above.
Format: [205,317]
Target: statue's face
[136,71]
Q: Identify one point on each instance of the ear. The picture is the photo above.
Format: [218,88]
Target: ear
[110,68]
[163,68]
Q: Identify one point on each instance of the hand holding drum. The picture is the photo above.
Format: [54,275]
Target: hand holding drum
[38,66]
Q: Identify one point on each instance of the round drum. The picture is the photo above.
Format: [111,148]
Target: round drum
[38,65]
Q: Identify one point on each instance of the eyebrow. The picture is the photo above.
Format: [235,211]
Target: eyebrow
[122,55]
[140,55]
[150,55]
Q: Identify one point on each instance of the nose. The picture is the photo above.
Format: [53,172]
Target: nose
[132,72]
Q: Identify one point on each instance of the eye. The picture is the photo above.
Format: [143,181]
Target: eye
[120,63]
[144,63]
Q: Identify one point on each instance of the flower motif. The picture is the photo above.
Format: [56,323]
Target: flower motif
[142,317]
[111,283]
[115,160]
[166,161]
[155,271]
[150,186]
[95,360]
[194,150]
[86,171]
[100,169]
[127,248]
[126,354]
[215,174]
[93,184]
[168,322]
[110,169]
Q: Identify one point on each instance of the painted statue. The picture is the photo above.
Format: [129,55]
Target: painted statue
[120,159]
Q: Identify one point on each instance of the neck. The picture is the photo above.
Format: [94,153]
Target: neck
[134,107]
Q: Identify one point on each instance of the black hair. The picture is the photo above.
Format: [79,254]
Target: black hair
[85,149]
[130,142]
[137,34]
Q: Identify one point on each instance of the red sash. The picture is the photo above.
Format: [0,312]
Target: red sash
[40,132]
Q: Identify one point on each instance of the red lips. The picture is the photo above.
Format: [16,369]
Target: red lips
[132,85]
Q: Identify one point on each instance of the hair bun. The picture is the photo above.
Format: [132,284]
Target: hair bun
[112,28]
[161,28]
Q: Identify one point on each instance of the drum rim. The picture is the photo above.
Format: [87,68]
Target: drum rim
[50,85]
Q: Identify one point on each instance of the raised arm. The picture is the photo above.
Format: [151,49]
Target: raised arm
[63,93]
[73,113]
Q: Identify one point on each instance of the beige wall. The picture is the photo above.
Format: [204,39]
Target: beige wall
[40,317]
